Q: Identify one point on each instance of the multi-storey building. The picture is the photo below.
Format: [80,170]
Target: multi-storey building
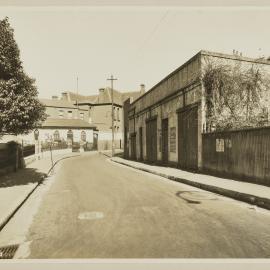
[100,112]
[66,123]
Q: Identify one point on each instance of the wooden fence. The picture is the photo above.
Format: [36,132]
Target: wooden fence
[242,154]
[28,150]
[8,157]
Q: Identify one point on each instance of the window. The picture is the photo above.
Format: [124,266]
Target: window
[70,135]
[90,115]
[118,119]
[83,136]
[81,115]
[114,114]
[61,113]
[69,114]
[56,136]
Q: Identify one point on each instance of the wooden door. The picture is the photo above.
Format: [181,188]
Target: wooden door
[188,138]
[164,136]
[151,140]
[133,146]
[141,142]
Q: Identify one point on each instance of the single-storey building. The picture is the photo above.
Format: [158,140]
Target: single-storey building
[165,124]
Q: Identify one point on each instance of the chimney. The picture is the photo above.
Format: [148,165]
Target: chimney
[142,91]
[54,97]
[101,95]
[64,96]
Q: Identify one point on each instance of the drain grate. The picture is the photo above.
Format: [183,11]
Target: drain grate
[8,252]
[196,197]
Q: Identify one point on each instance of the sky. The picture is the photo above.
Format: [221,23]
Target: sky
[135,44]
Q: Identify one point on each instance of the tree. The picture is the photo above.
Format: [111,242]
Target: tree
[20,110]
[235,96]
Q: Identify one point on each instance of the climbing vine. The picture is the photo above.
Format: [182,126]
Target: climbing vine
[235,96]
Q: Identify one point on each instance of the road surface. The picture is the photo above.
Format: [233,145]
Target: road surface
[94,208]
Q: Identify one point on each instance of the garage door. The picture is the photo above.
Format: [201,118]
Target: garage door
[188,138]
[151,140]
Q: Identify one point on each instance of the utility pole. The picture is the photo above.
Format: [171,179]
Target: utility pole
[112,79]
[77,98]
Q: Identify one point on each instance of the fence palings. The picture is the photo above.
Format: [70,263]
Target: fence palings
[243,154]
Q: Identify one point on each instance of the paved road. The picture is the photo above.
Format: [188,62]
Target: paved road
[94,208]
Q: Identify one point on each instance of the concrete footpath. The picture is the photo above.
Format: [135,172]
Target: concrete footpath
[16,187]
[247,192]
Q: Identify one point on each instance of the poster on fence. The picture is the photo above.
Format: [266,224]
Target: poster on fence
[219,145]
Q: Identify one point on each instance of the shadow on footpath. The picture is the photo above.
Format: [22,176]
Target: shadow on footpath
[21,177]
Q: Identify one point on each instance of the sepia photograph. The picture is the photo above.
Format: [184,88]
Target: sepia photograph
[134,132]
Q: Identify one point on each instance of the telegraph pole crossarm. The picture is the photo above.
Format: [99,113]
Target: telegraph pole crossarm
[112,79]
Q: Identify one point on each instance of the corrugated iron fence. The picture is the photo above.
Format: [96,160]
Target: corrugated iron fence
[243,154]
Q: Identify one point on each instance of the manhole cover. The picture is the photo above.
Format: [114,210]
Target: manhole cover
[8,252]
[91,215]
[196,196]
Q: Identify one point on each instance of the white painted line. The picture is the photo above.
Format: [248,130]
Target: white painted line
[90,215]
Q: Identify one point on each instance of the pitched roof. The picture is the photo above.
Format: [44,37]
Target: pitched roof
[134,95]
[69,99]
[66,123]
[104,96]
[57,103]
[74,97]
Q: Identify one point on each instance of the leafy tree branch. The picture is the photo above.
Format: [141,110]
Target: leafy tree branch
[20,110]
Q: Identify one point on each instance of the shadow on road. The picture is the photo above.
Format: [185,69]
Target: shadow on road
[21,177]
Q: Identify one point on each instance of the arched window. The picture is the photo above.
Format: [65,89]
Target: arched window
[83,136]
[70,135]
[56,136]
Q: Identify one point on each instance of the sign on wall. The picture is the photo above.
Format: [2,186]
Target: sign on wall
[219,145]
[173,139]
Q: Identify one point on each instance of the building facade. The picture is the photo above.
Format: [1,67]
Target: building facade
[100,113]
[165,125]
[66,124]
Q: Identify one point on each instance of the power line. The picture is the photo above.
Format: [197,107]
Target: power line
[156,27]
